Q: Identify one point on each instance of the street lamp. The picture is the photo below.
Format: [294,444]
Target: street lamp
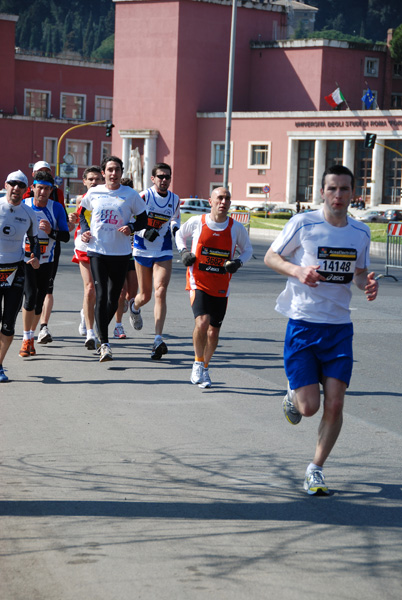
[67,131]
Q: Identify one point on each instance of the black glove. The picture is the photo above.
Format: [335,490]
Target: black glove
[232,266]
[151,234]
[175,230]
[187,258]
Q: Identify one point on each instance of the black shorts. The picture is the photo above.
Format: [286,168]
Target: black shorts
[204,304]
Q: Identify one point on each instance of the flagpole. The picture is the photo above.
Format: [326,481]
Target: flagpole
[338,86]
[230,94]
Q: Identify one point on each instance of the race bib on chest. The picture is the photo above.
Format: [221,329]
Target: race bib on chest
[156,220]
[213,260]
[337,265]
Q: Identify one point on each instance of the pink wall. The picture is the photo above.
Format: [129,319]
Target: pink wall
[179,69]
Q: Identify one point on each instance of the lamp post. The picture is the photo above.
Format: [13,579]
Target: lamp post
[230,94]
[65,133]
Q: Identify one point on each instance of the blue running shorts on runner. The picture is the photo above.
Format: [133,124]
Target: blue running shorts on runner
[314,350]
[149,261]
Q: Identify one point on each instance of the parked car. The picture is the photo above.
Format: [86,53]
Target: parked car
[393,215]
[3,193]
[195,205]
[238,207]
[371,216]
[281,213]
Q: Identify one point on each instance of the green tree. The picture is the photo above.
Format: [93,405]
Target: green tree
[396,45]
[105,52]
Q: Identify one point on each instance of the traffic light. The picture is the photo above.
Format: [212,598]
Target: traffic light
[109,126]
[369,142]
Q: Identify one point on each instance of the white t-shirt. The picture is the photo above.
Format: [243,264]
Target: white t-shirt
[163,214]
[111,209]
[15,222]
[308,239]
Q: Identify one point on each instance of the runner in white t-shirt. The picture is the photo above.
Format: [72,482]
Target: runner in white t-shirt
[113,207]
[321,253]
[153,253]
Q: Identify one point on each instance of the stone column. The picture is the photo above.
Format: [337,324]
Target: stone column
[320,151]
[377,174]
[149,158]
[349,154]
[126,154]
[291,174]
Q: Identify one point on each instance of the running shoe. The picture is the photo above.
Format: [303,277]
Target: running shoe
[105,353]
[314,483]
[119,332]
[32,351]
[197,372]
[158,350]
[44,336]
[291,413]
[82,328]
[3,376]
[206,380]
[135,318]
[90,343]
[25,351]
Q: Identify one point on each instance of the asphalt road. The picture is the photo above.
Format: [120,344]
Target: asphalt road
[121,480]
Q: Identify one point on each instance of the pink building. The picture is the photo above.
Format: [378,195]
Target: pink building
[170,96]
[40,99]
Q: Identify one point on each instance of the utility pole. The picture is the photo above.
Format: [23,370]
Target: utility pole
[230,94]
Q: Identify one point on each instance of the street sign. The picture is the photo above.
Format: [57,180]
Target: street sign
[68,170]
[58,180]
[68,158]
[266,189]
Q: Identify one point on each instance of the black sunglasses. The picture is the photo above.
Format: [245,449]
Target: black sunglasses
[20,184]
[167,177]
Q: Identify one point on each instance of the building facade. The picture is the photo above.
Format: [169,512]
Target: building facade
[40,99]
[170,95]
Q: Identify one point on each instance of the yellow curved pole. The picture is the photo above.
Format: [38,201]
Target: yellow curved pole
[65,133]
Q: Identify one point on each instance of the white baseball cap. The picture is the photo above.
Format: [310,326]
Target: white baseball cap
[17,176]
[41,164]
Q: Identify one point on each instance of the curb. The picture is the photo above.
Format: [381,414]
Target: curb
[377,249]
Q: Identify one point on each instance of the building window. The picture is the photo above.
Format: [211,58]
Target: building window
[397,70]
[259,155]
[218,155]
[305,171]
[371,66]
[106,150]
[396,101]
[256,190]
[334,153]
[103,108]
[214,184]
[37,103]
[374,104]
[81,150]
[72,106]
[50,150]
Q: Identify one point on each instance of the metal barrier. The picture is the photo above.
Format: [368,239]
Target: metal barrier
[243,217]
[393,256]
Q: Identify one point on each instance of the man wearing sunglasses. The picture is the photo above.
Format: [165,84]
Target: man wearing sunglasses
[16,220]
[153,253]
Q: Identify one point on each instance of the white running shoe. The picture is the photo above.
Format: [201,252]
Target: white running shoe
[206,380]
[119,332]
[314,483]
[135,318]
[44,336]
[82,328]
[197,372]
[105,353]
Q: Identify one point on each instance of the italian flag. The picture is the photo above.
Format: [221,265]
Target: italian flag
[335,99]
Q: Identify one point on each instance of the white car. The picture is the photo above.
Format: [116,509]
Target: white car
[371,216]
[195,205]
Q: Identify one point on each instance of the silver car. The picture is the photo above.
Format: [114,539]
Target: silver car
[371,216]
[195,205]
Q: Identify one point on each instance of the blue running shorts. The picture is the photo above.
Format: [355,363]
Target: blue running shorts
[149,261]
[314,350]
